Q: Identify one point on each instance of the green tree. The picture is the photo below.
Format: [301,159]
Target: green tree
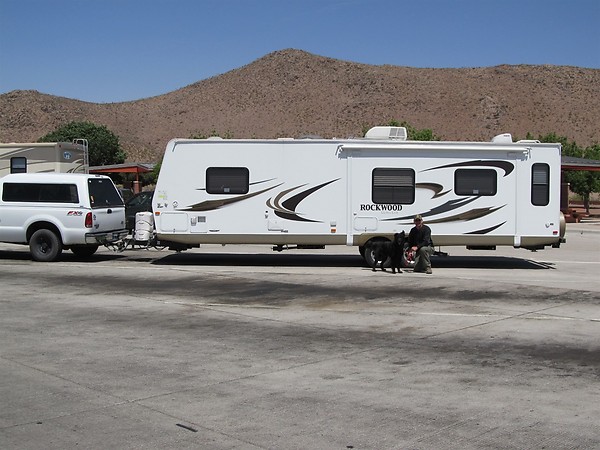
[155,172]
[414,134]
[104,147]
[582,182]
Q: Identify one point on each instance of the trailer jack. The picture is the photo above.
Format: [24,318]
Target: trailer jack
[131,244]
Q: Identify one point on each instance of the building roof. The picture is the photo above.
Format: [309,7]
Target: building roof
[572,163]
[123,168]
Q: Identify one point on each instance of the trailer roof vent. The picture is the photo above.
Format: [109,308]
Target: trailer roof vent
[398,133]
[528,141]
[503,138]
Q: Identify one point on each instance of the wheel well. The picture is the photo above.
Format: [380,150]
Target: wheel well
[367,245]
[43,225]
[377,239]
[365,238]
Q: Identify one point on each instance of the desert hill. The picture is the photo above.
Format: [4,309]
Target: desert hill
[292,93]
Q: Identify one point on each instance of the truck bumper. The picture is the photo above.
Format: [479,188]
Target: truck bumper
[105,237]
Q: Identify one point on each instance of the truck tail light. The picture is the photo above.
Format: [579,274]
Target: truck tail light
[88,220]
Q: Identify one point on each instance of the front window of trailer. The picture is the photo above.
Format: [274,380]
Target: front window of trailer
[227,180]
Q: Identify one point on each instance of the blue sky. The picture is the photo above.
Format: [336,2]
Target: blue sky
[119,50]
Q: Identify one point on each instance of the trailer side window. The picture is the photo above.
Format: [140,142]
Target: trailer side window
[393,186]
[540,184]
[39,192]
[18,164]
[227,180]
[475,182]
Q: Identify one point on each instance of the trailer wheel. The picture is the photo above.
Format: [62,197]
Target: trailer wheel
[45,246]
[361,250]
[369,255]
[84,251]
[407,257]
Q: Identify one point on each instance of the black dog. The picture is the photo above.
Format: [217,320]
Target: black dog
[394,250]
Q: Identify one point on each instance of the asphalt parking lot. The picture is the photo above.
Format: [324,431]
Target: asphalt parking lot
[241,347]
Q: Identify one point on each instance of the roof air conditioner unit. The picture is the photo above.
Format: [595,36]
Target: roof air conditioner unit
[398,133]
[503,138]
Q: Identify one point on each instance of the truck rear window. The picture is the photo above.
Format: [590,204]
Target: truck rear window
[103,193]
[40,192]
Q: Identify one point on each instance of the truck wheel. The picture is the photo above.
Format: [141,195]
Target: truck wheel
[84,251]
[45,246]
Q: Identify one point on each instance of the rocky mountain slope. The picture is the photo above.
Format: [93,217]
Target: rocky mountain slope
[290,93]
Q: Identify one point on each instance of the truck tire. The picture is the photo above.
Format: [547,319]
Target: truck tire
[45,245]
[84,251]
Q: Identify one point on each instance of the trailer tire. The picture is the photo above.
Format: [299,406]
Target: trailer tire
[369,256]
[45,245]
[361,250]
[84,251]
[407,257]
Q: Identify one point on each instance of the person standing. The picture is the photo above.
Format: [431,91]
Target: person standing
[421,244]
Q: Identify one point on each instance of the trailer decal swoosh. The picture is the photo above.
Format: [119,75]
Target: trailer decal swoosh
[210,205]
[467,215]
[287,209]
[276,205]
[251,184]
[293,202]
[263,181]
[508,167]
[446,207]
[436,188]
[486,230]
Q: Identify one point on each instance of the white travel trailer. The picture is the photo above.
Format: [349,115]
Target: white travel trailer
[317,192]
[36,157]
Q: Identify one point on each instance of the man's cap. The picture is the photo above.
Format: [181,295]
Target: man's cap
[418,217]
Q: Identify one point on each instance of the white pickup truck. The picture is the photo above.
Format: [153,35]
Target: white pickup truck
[51,212]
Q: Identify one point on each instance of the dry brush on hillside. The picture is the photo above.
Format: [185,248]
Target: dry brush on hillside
[293,93]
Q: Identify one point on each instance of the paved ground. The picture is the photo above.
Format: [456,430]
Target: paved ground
[240,347]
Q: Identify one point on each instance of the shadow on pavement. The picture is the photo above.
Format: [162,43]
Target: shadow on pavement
[312,260]
[278,260]
[66,256]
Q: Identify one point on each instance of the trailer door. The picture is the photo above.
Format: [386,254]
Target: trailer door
[526,222]
[361,217]
[380,190]
[537,207]
[512,195]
